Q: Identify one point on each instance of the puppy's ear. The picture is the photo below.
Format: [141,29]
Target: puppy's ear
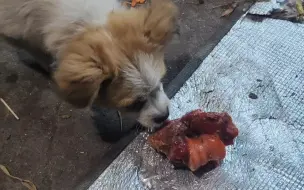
[87,61]
[161,21]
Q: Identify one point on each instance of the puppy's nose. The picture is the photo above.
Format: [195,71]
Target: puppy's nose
[161,118]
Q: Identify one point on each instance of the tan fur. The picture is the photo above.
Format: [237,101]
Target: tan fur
[145,29]
[110,58]
[148,30]
[18,17]
[99,54]
[88,59]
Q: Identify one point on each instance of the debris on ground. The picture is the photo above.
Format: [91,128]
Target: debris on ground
[229,10]
[65,116]
[299,6]
[291,10]
[231,6]
[28,184]
[9,108]
[135,2]
[132,3]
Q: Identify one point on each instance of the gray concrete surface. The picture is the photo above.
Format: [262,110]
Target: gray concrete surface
[57,146]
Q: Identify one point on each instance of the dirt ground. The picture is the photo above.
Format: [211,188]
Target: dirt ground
[57,146]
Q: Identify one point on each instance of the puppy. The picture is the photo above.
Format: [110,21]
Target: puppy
[105,54]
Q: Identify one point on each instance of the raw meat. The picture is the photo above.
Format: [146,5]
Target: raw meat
[195,139]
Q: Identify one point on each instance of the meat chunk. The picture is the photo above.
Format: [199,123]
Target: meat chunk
[162,140]
[198,151]
[203,149]
[200,122]
[195,139]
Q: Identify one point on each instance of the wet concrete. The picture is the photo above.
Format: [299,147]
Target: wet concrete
[57,146]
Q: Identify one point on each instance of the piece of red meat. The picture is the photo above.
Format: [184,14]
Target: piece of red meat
[198,151]
[162,139]
[200,122]
[196,138]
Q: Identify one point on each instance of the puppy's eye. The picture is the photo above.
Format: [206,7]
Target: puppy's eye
[137,105]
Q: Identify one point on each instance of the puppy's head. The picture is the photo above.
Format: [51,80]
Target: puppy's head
[121,64]
[138,90]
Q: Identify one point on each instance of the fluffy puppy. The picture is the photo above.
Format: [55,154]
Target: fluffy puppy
[105,54]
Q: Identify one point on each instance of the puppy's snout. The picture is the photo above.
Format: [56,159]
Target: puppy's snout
[161,118]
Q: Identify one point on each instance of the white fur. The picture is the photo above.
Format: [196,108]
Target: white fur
[156,106]
[50,23]
[79,14]
[148,77]
[149,73]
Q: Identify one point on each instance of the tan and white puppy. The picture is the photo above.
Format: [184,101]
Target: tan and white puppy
[105,54]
